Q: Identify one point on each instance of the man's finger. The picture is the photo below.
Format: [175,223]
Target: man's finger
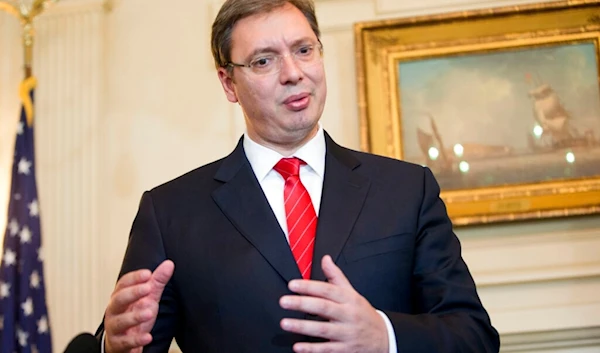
[125,342]
[119,324]
[327,330]
[122,299]
[160,277]
[315,306]
[318,289]
[326,347]
[133,278]
[333,273]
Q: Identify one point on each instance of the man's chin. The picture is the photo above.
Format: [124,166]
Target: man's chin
[305,129]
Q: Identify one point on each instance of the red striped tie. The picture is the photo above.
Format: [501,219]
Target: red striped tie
[300,214]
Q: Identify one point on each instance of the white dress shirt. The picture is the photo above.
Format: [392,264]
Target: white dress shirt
[263,160]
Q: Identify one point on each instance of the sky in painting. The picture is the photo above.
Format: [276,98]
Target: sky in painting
[483,98]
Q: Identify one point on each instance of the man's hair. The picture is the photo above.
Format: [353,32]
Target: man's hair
[234,10]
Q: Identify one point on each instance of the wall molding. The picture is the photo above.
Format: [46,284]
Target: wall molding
[546,340]
[559,256]
[69,63]
[371,10]
[537,238]
[384,7]
[546,274]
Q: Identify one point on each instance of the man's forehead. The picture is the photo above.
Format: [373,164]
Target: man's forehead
[281,27]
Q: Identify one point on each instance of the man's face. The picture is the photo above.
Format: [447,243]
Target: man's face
[281,108]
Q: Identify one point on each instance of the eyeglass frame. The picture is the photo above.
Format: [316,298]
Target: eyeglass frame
[231,65]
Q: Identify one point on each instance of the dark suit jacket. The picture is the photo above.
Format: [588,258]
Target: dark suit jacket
[380,219]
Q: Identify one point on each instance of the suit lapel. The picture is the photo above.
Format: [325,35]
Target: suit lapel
[241,199]
[343,196]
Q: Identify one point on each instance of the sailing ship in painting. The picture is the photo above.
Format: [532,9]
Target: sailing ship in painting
[557,129]
[550,154]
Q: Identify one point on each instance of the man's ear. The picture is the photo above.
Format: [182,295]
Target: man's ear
[228,84]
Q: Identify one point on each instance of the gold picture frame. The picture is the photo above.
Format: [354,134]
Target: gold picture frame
[533,116]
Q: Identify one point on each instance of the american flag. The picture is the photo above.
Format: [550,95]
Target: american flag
[24,324]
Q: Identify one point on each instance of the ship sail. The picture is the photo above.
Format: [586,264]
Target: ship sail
[549,112]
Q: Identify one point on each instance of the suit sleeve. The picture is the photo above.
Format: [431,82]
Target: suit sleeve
[449,316]
[146,250]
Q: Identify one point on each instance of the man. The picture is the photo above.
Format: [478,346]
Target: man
[292,242]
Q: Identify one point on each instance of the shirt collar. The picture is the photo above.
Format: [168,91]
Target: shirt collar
[262,159]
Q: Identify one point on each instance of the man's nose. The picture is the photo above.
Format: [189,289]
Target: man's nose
[290,71]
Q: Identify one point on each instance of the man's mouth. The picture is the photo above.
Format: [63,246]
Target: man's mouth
[297,102]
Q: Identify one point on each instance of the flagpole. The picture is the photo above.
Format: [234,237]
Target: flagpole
[28,37]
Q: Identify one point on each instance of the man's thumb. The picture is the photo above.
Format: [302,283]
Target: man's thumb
[333,273]
[160,277]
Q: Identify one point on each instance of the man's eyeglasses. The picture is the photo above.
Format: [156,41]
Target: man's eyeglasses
[304,56]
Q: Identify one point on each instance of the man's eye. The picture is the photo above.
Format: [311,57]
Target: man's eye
[262,62]
[306,50]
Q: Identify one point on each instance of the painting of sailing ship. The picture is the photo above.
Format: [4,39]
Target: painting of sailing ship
[507,117]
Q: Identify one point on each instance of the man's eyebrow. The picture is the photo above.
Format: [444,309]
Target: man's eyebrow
[259,51]
[302,41]
[272,50]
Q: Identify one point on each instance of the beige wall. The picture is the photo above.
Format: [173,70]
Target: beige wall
[129,98]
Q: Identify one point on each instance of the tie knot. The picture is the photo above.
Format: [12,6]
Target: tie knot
[289,167]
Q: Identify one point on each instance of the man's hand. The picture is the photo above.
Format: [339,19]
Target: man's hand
[133,308]
[354,325]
